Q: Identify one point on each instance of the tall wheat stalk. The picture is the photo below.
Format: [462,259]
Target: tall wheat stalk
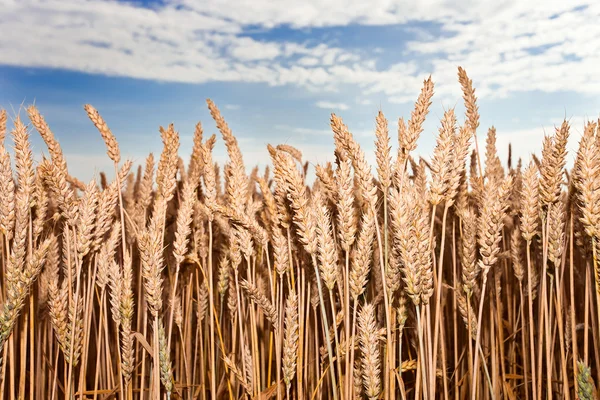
[428,279]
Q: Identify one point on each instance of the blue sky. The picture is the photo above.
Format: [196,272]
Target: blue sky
[278,69]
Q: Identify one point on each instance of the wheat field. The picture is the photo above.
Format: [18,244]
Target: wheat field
[459,275]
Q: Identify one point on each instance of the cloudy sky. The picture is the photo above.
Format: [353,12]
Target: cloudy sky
[278,69]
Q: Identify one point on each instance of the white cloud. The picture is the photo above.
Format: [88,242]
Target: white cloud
[364,102]
[246,49]
[297,130]
[232,106]
[308,61]
[507,46]
[165,43]
[402,99]
[519,47]
[317,13]
[332,105]
[294,131]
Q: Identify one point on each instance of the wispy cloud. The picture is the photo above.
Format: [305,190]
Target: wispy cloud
[329,105]
[507,46]
[303,131]
[296,130]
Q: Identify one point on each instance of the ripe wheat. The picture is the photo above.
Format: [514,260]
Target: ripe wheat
[200,281]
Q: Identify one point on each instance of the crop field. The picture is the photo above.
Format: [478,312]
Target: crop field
[454,275]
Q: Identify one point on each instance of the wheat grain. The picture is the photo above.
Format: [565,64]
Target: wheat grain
[112,147]
[370,351]
[290,344]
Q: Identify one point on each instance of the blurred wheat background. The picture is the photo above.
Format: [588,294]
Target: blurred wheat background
[456,275]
